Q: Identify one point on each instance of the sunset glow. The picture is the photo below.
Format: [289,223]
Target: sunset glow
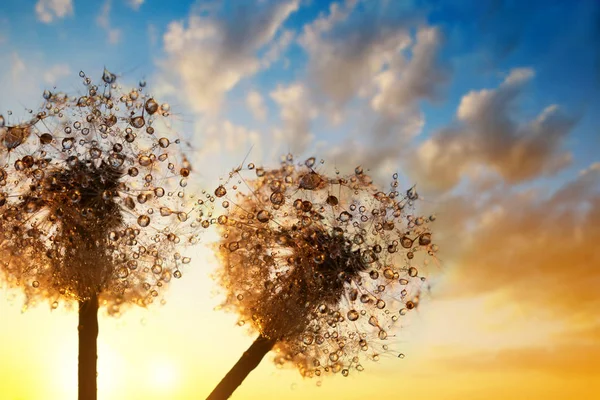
[489,108]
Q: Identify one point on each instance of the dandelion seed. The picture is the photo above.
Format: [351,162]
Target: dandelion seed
[68,223]
[309,268]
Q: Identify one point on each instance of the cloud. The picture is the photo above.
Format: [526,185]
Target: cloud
[24,78]
[47,10]
[225,145]
[135,4]
[401,87]
[211,55]
[537,250]
[226,137]
[396,115]
[256,104]
[103,21]
[296,114]
[370,67]
[560,361]
[56,72]
[372,53]
[487,134]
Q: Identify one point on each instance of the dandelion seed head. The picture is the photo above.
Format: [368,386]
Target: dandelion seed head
[81,186]
[326,265]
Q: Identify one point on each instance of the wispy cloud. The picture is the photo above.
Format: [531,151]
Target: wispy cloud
[49,10]
[135,4]
[487,134]
[210,55]
[103,21]
[256,104]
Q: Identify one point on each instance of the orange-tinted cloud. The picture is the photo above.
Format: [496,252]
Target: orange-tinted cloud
[538,251]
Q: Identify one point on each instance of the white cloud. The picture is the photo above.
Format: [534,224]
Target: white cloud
[48,10]
[23,80]
[210,56]
[226,137]
[372,54]
[404,83]
[54,73]
[103,20]
[370,67]
[487,134]
[135,4]
[277,48]
[17,66]
[340,65]
[297,111]
[256,104]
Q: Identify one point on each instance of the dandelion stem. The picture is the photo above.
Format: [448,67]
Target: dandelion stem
[88,348]
[246,364]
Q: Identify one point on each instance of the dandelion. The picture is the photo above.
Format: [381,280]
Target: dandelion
[92,206]
[320,267]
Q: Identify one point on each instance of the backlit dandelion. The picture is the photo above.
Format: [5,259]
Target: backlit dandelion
[93,206]
[321,267]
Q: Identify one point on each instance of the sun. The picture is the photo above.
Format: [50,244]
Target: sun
[163,374]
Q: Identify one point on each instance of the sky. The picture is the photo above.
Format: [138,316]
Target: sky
[488,107]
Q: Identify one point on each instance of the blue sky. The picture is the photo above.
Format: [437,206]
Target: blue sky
[478,46]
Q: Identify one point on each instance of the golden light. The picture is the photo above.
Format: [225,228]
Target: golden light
[163,374]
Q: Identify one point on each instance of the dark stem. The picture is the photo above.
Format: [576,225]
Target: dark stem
[249,360]
[88,348]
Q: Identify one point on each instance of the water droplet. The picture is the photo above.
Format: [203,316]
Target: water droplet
[107,76]
[353,315]
[144,161]
[369,257]
[67,143]
[14,136]
[156,269]
[412,193]
[233,246]
[345,216]
[46,138]
[220,191]
[406,242]
[151,106]
[277,198]
[263,216]
[310,181]
[164,143]
[138,122]
[143,221]
[425,239]
[307,339]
